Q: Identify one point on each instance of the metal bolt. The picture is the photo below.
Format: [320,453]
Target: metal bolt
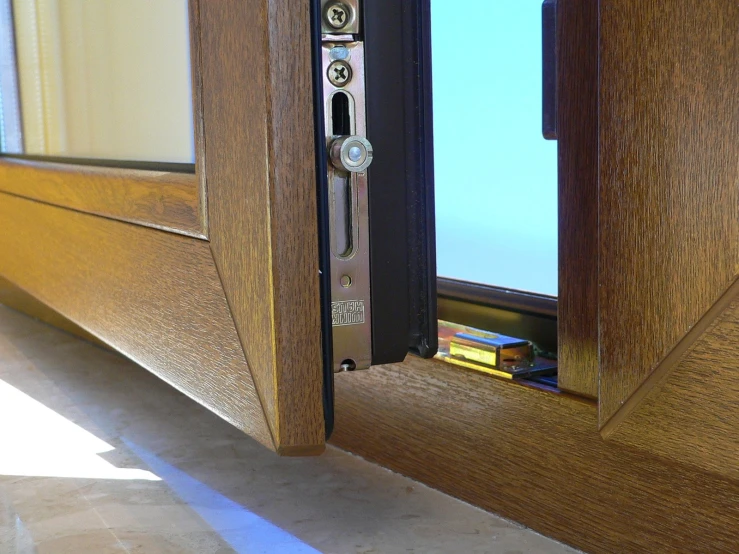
[353,154]
[338,15]
[346,281]
[339,73]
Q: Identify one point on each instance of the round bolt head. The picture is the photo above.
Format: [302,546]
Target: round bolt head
[338,15]
[355,154]
[352,154]
[346,281]
[339,73]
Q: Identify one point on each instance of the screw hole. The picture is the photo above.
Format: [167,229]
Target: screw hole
[348,365]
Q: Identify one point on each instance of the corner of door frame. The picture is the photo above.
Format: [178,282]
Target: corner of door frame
[664,368]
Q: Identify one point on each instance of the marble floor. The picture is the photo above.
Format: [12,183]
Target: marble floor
[99,456]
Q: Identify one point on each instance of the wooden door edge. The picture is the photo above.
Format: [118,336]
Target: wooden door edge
[262,212]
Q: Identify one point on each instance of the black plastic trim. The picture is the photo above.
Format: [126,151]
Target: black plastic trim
[401,191]
[323,220]
[549,69]
[169,167]
[498,297]
[515,313]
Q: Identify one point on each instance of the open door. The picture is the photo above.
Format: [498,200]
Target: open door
[669,228]
[213,275]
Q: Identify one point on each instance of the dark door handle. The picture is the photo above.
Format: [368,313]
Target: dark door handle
[549,69]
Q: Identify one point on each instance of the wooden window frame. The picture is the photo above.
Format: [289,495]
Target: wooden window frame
[173,201]
[161,200]
[665,479]
[237,270]
[535,456]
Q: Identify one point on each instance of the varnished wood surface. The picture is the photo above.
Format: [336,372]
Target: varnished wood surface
[253,197]
[161,200]
[577,55]
[534,457]
[693,414]
[152,295]
[669,174]
[260,175]
[19,300]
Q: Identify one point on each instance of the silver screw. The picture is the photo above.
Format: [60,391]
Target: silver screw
[339,73]
[337,15]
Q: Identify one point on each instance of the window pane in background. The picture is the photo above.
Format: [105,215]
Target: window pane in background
[496,177]
[107,79]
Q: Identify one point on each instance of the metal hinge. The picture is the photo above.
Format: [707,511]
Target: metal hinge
[350,154]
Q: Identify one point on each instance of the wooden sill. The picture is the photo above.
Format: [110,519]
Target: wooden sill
[533,456]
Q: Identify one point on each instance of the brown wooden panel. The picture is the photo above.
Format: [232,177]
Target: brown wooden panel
[577,128]
[669,174]
[161,200]
[691,410]
[534,457]
[260,174]
[153,296]
[19,300]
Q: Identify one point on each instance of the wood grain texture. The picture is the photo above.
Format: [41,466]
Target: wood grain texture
[534,457]
[153,296]
[19,300]
[260,175]
[577,127]
[692,414]
[161,200]
[669,179]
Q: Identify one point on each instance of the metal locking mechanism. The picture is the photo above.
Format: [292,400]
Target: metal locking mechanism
[350,154]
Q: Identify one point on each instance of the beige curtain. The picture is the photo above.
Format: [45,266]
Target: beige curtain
[105,78]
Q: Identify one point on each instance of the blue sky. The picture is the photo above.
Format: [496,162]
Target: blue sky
[496,177]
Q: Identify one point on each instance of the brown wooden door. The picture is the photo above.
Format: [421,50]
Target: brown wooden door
[208,279]
[669,228]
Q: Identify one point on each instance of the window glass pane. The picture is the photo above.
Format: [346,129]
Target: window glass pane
[106,79]
[496,177]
